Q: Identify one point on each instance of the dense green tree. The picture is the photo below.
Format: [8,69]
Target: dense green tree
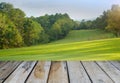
[101,21]
[9,35]
[85,24]
[55,31]
[55,26]
[76,25]
[33,32]
[114,20]
[5,7]
[17,30]
[48,20]
[16,15]
[44,21]
[61,28]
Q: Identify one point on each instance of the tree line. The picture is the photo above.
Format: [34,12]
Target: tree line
[108,21]
[17,30]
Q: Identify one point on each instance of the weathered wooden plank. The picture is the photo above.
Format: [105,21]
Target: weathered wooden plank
[7,68]
[40,72]
[21,73]
[116,64]
[58,73]
[2,63]
[77,73]
[95,73]
[111,71]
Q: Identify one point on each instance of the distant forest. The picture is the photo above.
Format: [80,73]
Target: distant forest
[109,21]
[17,30]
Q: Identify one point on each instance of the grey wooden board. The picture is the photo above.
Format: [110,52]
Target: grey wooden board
[95,73]
[40,72]
[99,72]
[77,73]
[2,63]
[21,73]
[113,72]
[58,73]
[7,68]
[116,64]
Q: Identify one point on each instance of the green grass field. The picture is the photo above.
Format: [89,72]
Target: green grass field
[78,45]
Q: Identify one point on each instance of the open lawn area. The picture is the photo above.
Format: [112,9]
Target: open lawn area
[78,45]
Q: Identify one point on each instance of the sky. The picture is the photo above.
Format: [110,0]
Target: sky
[77,9]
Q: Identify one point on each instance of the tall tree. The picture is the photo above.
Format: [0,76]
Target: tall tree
[5,7]
[16,15]
[33,32]
[114,19]
[61,28]
[9,35]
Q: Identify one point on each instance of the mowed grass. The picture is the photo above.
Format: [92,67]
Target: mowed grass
[78,45]
[85,35]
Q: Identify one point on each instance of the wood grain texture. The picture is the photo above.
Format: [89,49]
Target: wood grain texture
[58,73]
[2,63]
[40,72]
[113,72]
[21,73]
[116,64]
[95,73]
[77,73]
[6,68]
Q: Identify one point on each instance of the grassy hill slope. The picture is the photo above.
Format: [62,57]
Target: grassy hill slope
[85,35]
[74,47]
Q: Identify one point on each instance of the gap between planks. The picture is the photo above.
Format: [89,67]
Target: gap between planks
[7,69]
[21,73]
[58,72]
[40,72]
[65,72]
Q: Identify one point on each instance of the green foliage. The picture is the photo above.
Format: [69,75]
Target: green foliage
[76,46]
[56,26]
[101,21]
[17,30]
[16,15]
[85,24]
[43,37]
[76,25]
[44,21]
[48,20]
[55,31]
[5,7]
[9,35]
[108,21]
[33,32]
[114,20]
[61,28]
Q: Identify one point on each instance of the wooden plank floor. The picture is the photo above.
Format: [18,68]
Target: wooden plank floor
[60,72]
